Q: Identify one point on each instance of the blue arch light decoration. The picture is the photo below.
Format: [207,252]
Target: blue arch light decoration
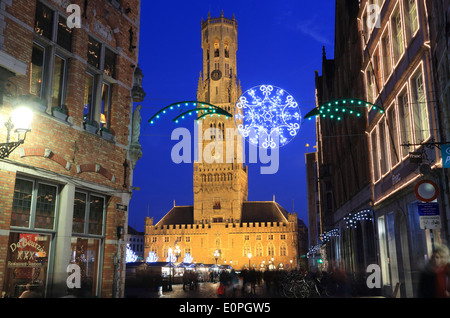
[188,108]
[268,116]
[337,109]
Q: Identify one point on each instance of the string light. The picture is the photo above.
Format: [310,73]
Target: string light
[352,220]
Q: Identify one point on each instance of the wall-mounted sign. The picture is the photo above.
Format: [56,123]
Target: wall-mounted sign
[121,207]
[415,157]
[445,153]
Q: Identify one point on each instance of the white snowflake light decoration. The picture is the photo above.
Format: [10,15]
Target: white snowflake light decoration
[268,116]
[131,256]
[152,257]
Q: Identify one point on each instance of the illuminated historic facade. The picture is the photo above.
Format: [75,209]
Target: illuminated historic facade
[222,226]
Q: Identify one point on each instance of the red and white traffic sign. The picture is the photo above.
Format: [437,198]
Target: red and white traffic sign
[426,191]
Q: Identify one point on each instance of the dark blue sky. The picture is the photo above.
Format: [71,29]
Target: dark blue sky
[279,43]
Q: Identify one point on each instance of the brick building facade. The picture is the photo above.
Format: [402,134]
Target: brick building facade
[64,190]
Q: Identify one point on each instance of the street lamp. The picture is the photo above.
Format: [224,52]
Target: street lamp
[216,255]
[170,268]
[249,258]
[20,123]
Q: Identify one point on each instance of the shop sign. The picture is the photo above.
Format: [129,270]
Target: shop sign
[445,152]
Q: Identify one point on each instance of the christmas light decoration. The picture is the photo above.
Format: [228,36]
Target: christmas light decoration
[352,220]
[325,237]
[187,108]
[131,256]
[337,109]
[268,116]
[152,257]
[188,258]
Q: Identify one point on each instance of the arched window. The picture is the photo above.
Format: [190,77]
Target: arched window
[227,48]
[283,250]
[216,48]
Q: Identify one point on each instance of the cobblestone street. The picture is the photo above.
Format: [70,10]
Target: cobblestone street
[204,290]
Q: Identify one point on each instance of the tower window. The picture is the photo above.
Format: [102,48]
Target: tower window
[227,49]
[216,48]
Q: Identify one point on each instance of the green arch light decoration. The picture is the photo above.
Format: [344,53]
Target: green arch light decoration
[336,109]
[203,111]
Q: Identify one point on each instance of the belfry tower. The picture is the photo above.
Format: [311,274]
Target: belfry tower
[220,178]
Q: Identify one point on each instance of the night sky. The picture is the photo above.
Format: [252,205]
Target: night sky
[279,43]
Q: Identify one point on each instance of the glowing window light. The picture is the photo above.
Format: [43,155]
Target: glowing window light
[268,116]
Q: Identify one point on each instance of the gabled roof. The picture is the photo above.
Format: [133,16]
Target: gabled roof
[265,211]
[252,211]
[178,215]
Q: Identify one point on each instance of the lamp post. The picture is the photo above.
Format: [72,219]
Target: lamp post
[20,121]
[216,255]
[170,268]
[249,258]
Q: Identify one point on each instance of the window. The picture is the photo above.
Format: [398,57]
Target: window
[88,97]
[43,23]
[85,252]
[377,71]
[50,26]
[411,18]
[216,48]
[397,34]
[270,250]
[375,159]
[370,84]
[419,107]
[259,250]
[34,205]
[270,237]
[384,158]
[101,71]
[94,53]
[283,250]
[58,81]
[37,70]
[405,122]
[387,58]
[88,217]
[28,260]
[64,38]
[391,125]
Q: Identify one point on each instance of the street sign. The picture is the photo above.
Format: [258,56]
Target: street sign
[429,216]
[445,153]
[426,191]
[415,157]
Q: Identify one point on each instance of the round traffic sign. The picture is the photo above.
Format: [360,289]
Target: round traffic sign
[426,191]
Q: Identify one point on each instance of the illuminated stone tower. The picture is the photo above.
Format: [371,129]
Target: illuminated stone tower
[220,179]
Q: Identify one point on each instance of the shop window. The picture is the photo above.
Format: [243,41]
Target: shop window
[27,263]
[85,252]
[34,205]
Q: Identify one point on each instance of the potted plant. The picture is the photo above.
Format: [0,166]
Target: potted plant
[106,133]
[90,126]
[60,112]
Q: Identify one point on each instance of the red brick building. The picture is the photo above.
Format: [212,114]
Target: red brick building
[64,192]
